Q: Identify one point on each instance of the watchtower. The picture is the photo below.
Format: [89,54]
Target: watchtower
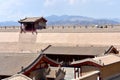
[32,24]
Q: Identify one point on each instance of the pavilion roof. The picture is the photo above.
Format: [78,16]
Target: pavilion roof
[31,19]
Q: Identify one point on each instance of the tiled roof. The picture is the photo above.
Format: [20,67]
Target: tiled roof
[101,61]
[11,64]
[18,77]
[31,19]
[108,59]
[36,61]
[83,50]
[90,60]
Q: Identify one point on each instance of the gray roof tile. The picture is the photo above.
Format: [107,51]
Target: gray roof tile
[86,50]
[31,19]
[10,64]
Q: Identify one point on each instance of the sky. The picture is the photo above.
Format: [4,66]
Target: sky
[12,10]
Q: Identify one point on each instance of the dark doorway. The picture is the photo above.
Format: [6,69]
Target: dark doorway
[29,27]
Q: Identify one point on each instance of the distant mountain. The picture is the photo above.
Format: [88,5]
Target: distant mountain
[9,23]
[69,20]
[116,19]
[78,20]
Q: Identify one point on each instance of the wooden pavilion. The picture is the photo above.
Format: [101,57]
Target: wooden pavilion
[32,24]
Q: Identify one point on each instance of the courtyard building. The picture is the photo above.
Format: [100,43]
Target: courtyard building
[99,68]
[67,54]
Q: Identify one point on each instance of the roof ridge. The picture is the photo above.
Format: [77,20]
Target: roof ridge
[33,17]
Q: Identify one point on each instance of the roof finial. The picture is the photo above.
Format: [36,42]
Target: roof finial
[22,68]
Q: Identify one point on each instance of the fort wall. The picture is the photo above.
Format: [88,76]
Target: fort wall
[62,38]
[9,36]
[15,41]
[79,38]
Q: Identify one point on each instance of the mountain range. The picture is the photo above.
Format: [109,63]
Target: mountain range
[9,23]
[79,20]
[69,20]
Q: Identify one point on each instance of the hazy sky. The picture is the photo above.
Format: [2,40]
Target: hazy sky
[16,9]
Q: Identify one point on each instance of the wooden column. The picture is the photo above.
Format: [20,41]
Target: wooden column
[74,73]
[32,27]
[21,28]
[99,76]
[80,71]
